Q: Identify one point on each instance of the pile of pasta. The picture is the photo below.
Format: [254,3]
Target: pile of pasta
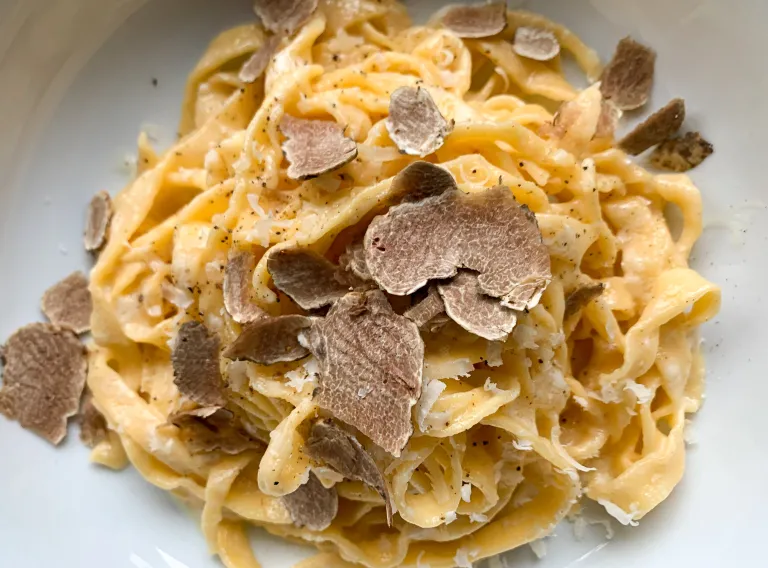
[589,404]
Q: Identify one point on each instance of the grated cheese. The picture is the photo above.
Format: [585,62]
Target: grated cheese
[643,393]
[626,519]
[466,492]
[429,395]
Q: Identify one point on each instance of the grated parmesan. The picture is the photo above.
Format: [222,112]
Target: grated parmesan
[626,519]
[643,393]
[429,395]
[478,518]
[539,548]
[466,492]
[490,386]
[522,445]
[493,354]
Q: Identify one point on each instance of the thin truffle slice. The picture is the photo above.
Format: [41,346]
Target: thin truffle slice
[579,298]
[93,425]
[414,123]
[487,232]
[315,147]
[342,451]
[212,429]
[353,260]
[536,43]
[97,221]
[311,280]
[44,377]
[364,346]
[427,309]
[478,20]
[312,506]
[271,340]
[682,153]
[661,125]
[420,180]
[68,303]
[195,359]
[284,16]
[628,79]
[608,120]
[476,312]
[257,64]
[238,300]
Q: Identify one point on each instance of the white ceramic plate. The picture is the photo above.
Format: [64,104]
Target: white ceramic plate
[75,89]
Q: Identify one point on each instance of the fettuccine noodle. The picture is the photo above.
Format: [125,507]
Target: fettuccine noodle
[519,431]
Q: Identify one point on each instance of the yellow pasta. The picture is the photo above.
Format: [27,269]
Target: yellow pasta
[591,406]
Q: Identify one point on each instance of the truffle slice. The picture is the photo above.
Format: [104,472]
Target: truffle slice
[68,303]
[284,16]
[628,79]
[237,288]
[476,312]
[257,64]
[420,180]
[353,260]
[608,119]
[487,232]
[341,450]
[93,425]
[311,280]
[195,359]
[271,340]
[97,221]
[312,506]
[362,345]
[536,43]
[579,298]
[415,124]
[661,125]
[478,20]
[682,153]
[45,368]
[212,429]
[315,147]
[427,309]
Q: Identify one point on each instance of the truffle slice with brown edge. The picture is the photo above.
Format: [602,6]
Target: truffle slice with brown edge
[196,370]
[238,300]
[315,147]
[342,451]
[476,312]
[427,309]
[43,379]
[353,260]
[661,125]
[415,124]
[312,506]
[284,16]
[270,340]
[628,79]
[68,303]
[97,220]
[420,180]
[311,280]
[212,429]
[476,20]
[580,297]
[255,66]
[93,425]
[535,43]
[362,345]
[487,232]
[682,153]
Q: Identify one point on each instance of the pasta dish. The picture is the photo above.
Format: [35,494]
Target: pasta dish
[397,291]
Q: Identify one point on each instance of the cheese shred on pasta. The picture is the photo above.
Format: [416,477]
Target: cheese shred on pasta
[587,406]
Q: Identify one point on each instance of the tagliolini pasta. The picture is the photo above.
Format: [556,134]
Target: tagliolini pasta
[508,436]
